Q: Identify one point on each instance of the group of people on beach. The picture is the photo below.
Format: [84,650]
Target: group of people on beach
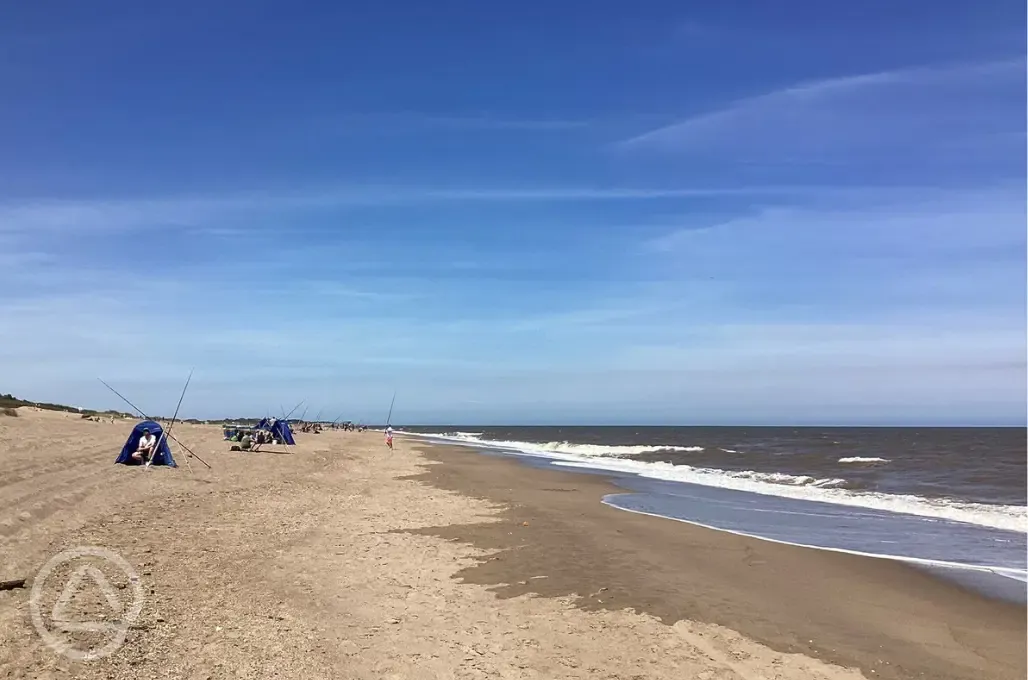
[250,440]
[244,440]
[316,427]
[98,419]
[308,428]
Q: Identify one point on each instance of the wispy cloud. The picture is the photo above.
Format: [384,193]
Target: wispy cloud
[926,223]
[890,110]
[338,291]
[229,214]
[203,212]
[933,342]
[665,347]
[407,121]
[960,250]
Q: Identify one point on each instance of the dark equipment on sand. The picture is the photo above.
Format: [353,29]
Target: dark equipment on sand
[146,417]
[279,429]
[162,456]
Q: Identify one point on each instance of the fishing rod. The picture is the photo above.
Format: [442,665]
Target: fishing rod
[294,408]
[389,418]
[165,433]
[139,411]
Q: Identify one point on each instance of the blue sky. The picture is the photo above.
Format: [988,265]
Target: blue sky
[657,212]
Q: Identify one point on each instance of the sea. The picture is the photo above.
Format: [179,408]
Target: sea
[952,500]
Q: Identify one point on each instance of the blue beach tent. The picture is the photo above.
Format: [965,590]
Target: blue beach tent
[279,428]
[163,455]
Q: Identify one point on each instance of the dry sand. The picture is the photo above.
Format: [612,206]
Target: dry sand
[337,559]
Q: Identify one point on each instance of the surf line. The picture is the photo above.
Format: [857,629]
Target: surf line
[1006,572]
[565,459]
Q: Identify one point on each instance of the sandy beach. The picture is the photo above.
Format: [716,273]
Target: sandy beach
[338,559]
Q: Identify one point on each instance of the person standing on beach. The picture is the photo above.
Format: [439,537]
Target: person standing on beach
[389,438]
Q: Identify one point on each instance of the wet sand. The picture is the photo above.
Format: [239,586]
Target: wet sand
[890,619]
[338,559]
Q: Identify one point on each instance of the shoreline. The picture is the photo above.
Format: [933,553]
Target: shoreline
[879,615]
[692,466]
[989,558]
[966,575]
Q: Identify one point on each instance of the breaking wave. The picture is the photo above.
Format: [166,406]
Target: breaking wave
[860,459]
[826,490]
[598,450]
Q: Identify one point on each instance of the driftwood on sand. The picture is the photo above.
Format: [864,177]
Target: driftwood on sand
[11,585]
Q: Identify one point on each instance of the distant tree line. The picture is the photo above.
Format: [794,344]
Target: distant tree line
[11,401]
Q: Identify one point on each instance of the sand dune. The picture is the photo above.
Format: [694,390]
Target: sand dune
[307,562]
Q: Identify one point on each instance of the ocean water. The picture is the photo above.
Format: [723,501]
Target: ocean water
[946,498]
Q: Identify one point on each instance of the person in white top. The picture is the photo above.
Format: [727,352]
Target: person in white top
[147,444]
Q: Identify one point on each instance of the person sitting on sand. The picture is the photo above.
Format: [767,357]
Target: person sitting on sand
[147,445]
[246,442]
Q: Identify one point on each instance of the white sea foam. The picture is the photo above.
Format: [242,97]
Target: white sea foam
[860,459]
[825,490]
[1009,517]
[597,450]
[782,478]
